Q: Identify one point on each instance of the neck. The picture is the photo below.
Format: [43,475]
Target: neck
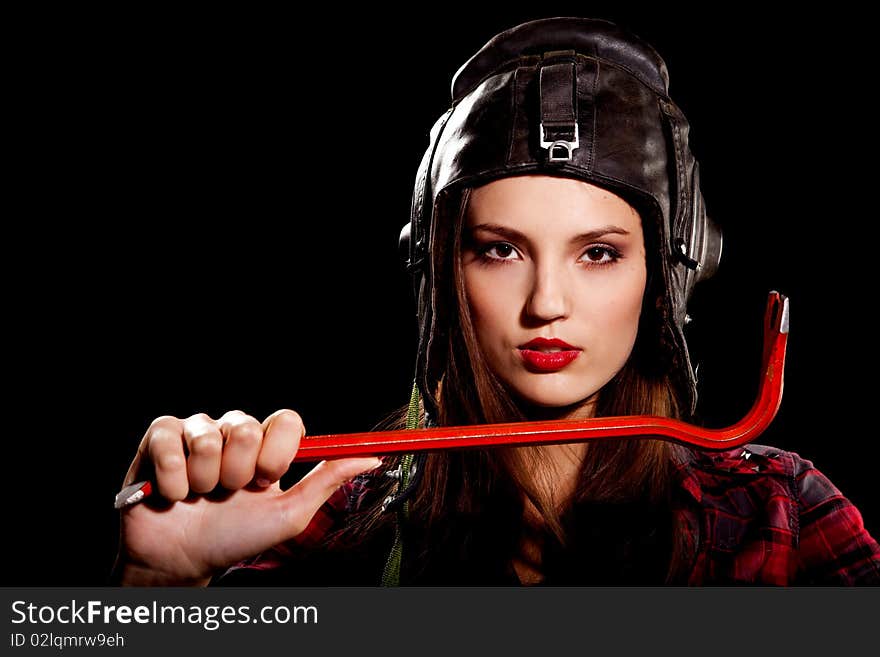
[551,471]
[554,469]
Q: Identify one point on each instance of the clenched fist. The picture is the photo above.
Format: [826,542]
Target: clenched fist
[196,536]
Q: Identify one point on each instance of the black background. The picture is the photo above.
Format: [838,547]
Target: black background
[209,207]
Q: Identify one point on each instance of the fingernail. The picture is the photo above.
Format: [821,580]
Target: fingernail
[378,463]
[263,482]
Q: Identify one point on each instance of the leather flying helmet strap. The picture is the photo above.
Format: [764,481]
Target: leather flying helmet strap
[559,112]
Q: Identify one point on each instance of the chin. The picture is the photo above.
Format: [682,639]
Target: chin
[554,399]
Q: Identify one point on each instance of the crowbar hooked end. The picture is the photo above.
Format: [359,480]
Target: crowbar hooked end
[780,312]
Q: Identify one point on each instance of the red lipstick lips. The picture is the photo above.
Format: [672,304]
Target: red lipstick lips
[537,356]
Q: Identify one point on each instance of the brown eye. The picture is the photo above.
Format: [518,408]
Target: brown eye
[498,252]
[602,255]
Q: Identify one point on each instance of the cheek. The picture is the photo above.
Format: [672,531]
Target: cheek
[492,305]
[620,305]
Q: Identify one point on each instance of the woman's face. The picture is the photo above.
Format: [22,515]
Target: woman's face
[548,257]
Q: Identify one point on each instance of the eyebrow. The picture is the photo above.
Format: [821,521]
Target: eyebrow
[512,234]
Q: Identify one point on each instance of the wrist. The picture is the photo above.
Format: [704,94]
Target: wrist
[132,574]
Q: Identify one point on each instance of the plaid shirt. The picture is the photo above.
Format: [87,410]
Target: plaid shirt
[757,515]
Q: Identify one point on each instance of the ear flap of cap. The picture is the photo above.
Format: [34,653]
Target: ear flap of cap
[413,240]
[414,249]
[707,238]
[700,238]
[403,243]
[695,238]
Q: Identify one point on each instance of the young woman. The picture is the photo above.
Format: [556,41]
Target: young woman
[557,233]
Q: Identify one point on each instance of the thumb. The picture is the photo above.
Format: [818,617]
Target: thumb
[301,502]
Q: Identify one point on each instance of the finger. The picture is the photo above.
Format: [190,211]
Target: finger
[164,448]
[205,446]
[141,461]
[302,501]
[242,436]
[282,432]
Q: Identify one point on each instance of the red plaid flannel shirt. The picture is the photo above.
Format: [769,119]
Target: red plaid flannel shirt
[757,515]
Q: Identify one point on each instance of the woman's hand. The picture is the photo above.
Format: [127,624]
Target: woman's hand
[196,536]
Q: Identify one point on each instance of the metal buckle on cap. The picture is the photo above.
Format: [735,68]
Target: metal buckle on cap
[551,146]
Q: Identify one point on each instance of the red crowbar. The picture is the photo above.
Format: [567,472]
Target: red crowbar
[776,320]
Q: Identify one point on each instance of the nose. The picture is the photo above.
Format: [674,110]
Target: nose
[549,296]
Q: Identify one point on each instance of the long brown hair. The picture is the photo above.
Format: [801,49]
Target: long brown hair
[470,492]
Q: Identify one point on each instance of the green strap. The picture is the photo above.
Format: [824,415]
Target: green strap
[391,572]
